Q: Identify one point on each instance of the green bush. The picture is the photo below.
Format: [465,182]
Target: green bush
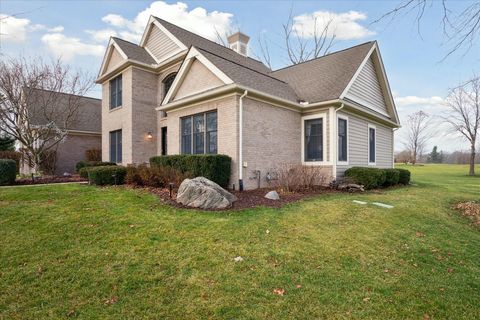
[107,175]
[84,164]
[8,171]
[368,177]
[392,177]
[215,167]
[83,172]
[404,176]
[13,155]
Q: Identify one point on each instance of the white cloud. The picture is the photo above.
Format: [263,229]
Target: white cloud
[56,29]
[197,20]
[13,29]
[102,35]
[418,101]
[345,26]
[68,47]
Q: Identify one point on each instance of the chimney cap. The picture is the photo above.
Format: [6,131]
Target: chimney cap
[238,36]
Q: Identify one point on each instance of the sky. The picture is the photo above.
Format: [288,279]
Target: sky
[78,32]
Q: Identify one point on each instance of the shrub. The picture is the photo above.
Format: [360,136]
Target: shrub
[157,177]
[215,167]
[404,176]
[8,171]
[13,155]
[83,172]
[83,164]
[48,162]
[93,155]
[107,175]
[294,178]
[368,177]
[392,177]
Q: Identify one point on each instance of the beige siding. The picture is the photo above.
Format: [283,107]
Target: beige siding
[160,45]
[358,144]
[227,117]
[366,89]
[271,138]
[115,60]
[119,118]
[197,79]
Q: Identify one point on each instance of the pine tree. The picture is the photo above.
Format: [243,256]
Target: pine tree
[435,156]
[7,143]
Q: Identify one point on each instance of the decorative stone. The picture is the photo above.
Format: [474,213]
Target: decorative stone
[351,187]
[272,195]
[203,193]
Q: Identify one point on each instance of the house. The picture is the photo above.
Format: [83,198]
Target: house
[84,126]
[179,93]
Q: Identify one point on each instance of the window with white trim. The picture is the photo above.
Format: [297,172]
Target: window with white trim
[199,133]
[342,139]
[313,139]
[116,92]
[372,148]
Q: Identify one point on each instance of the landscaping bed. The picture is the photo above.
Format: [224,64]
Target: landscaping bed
[49,179]
[470,210]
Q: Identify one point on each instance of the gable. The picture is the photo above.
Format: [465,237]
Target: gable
[366,89]
[159,44]
[114,61]
[198,79]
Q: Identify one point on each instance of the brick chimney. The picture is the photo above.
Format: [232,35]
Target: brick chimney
[238,42]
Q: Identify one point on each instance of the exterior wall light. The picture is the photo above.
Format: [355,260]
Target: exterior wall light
[149,136]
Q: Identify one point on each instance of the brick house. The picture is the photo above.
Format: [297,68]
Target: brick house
[83,133]
[179,93]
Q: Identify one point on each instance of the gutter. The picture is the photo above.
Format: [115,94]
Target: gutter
[240,141]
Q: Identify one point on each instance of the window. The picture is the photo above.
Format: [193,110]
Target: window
[342,140]
[313,129]
[116,146]
[199,133]
[371,144]
[116,92]
[167,83]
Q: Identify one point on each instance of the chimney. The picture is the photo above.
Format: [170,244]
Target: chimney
[238,42]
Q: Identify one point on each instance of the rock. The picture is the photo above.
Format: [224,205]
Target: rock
[67,174]
[272,195]
[238,259]
[203,193]
[351,187]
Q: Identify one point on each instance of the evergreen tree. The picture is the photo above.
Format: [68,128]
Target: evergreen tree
[435,156]
[7,143]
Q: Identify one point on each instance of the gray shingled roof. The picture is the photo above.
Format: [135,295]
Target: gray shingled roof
[88,117]
[324,78]
[251,78]
[191,39]
[134,52]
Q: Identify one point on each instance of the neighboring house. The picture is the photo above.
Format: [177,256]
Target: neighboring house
[179,93]
[83,133]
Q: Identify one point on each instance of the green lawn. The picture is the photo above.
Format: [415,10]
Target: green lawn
[86,252]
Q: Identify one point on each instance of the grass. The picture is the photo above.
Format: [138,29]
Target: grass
[83,252]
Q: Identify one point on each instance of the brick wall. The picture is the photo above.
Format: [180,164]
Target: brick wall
[72,150]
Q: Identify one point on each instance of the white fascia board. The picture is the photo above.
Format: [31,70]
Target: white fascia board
[108,54]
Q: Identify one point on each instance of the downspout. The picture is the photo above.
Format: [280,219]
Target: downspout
[335,147]
[393,146]
[240,141]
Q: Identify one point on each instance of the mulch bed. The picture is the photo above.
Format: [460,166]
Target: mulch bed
[246,199]
[49,179]
[470,210]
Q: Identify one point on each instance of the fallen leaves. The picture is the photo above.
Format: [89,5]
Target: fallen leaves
[279,291]
[471,210]
[111,300]
[366,299]
[238,259]
[419,234]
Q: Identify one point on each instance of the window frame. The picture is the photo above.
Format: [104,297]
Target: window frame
[371,126]
[117,154]
[110,105]
[164,80]
[343,117]
[192,133]
[322,116]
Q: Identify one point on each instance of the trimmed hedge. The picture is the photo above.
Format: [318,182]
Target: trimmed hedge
[8,171]
[374,177]
[392,177]
[107,175]
[215,167]
[85,164]
[404,176]
[13,155]
[368,177]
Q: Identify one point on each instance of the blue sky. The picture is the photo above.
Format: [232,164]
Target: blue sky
[78,31]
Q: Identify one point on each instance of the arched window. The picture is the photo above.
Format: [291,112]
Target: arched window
[167,83]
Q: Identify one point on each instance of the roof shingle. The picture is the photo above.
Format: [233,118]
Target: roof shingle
[134,52]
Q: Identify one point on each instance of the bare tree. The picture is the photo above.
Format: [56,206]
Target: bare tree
[32,111]
[463,116]
[461,30]
[418,134]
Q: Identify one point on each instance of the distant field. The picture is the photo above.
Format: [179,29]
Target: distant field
[72,251]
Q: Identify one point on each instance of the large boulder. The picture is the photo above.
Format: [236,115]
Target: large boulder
[203,193]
